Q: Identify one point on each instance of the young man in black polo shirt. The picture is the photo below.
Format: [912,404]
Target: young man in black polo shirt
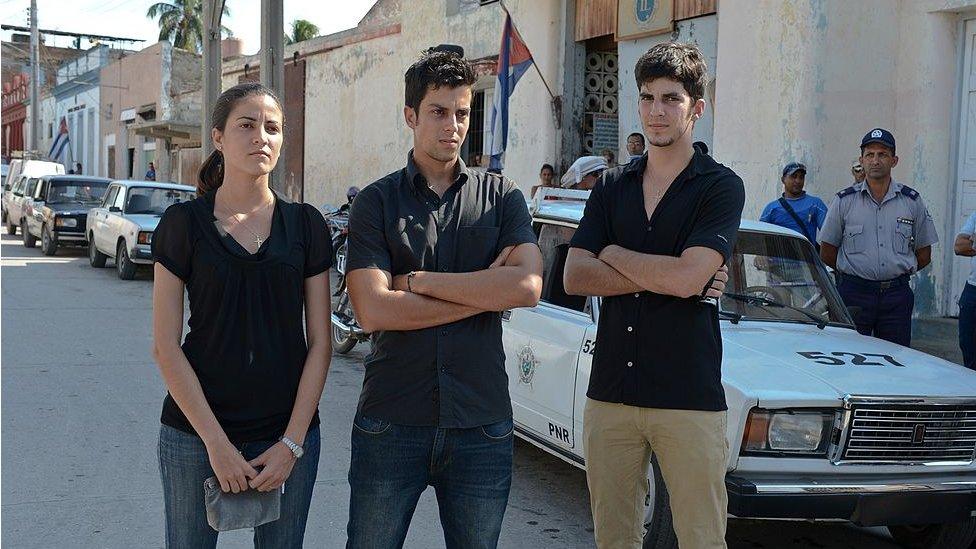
[436,251]
[652,235]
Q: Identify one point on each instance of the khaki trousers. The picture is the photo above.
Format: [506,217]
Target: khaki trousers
[692,452]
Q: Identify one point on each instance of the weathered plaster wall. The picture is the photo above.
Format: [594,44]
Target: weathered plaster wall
[804,80]
[354,125]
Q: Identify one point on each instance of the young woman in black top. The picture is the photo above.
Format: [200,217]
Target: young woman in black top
[244,386]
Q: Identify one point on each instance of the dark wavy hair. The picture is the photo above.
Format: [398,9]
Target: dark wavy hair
[436,68]
[211,175]
[677,61]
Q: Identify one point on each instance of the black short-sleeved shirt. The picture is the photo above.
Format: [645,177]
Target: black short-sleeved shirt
[246,342]
[453,375]
[653,350]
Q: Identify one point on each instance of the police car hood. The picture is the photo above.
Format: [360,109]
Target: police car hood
[781,363]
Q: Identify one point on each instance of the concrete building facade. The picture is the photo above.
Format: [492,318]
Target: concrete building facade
[151,108]
[77,102]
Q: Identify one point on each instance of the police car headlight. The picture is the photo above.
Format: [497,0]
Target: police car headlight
[787,431]
[65,222]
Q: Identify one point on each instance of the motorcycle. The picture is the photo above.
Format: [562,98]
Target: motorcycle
[346,332]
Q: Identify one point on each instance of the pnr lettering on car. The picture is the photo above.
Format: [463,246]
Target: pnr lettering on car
[559,433]
[823,423]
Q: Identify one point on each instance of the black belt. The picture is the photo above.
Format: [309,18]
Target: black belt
[875,285]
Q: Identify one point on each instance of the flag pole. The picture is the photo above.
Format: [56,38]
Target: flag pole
[534,64]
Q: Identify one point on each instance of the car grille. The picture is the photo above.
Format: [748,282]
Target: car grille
[910,433]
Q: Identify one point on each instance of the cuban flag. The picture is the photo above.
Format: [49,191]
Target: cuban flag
[513,60]
[60,146]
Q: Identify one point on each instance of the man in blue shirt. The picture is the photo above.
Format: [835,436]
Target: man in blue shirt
[796,209]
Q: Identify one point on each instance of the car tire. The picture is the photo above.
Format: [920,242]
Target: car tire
[95,257]
[29,240]
[342,341]
[953,535]
[49,245]
[125,267]
[658,522]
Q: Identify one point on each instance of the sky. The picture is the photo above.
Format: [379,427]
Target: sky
[127,18]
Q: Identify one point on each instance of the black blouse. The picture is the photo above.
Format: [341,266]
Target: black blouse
[246,342]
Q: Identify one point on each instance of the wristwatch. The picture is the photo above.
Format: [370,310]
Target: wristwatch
[295,449]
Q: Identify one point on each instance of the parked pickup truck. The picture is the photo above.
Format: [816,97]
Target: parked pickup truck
[823,423]
[122,226]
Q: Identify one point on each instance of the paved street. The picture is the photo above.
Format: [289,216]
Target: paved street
[80,412]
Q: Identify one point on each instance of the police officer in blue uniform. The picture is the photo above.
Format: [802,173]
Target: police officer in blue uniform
[876,235]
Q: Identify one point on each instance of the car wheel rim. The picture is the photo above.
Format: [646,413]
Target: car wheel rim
[649,501]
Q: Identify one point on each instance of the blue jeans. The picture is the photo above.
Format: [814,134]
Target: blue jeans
[967,326]
[470,470]
[184,465]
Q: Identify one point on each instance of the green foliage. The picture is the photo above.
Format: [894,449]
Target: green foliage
[181,22]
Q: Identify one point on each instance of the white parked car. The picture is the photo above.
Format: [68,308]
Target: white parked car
[122,227]
[16,178]
[823,423]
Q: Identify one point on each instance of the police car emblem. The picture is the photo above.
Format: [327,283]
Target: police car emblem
[527,365]
[876,133]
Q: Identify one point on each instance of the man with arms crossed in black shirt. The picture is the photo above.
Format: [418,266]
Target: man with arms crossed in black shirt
[436,251]
[652,235]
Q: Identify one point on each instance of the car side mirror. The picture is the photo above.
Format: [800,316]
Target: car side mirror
[115,209]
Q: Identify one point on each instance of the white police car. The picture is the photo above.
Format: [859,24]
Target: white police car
[823,424]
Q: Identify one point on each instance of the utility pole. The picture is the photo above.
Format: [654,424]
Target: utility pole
[213,10]
[272,62]
[35,96]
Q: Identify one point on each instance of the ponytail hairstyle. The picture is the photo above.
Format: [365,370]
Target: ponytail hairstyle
[211,175]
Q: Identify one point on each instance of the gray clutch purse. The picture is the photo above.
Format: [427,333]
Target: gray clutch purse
[248,509]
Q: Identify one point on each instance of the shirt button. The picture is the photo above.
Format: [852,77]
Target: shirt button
[636,295]
[630,364]
[882,245]
[630,328]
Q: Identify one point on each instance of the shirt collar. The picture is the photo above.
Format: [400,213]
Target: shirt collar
[461,172]
[893,189]
[694,167]
[802,195]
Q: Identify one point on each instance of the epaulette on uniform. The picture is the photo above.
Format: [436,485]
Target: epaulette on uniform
[909,192]
[844,192]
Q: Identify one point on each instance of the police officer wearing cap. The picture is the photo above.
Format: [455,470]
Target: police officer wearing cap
[876,234]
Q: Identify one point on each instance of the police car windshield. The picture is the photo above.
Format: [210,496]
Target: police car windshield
[784,270]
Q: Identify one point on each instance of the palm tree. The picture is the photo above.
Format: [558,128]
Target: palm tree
[301,30]
[181,22]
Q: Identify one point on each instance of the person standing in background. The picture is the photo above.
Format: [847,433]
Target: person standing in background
[963,247]
[796,209]
[857,170]
[876,235]
[635,145]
